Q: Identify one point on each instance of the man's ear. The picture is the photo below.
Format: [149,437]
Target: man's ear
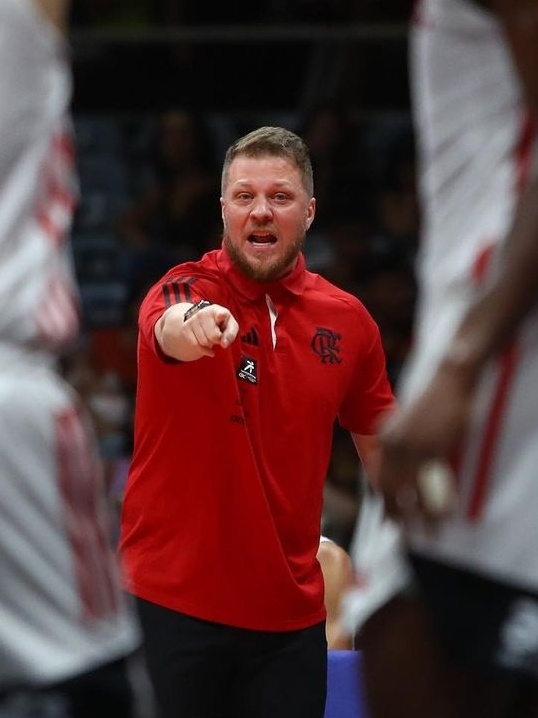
[310,213]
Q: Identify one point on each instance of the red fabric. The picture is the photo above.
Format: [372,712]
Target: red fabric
[221,517]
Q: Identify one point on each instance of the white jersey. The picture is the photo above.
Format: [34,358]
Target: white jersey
[37,182]
[473,144]
[476,142]
[62,610]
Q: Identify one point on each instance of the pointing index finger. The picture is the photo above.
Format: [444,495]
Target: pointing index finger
[228,326]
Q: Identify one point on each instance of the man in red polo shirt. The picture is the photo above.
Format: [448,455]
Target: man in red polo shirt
[245,361]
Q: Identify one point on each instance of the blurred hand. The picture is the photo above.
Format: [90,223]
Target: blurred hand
[428,430]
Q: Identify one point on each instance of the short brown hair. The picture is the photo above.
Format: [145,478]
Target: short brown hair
[273,142]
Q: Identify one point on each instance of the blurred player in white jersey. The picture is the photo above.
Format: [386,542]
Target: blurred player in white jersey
[460,639]
[64,625]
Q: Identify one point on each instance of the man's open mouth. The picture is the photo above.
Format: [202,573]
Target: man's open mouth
[263,239]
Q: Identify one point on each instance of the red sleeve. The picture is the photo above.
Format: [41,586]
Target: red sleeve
[171,289]
[370,394]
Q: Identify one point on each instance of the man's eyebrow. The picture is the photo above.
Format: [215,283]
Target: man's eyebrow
[248,183]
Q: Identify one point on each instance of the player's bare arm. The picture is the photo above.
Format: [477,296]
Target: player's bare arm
[186,332]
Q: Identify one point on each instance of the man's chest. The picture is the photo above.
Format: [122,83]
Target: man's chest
[285,354]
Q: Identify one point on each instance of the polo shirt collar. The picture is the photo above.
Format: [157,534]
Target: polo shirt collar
[293,283]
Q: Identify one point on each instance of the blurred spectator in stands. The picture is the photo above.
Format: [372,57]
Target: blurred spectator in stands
[386,281]
[333,138]
[343,192]
[388,289]
[178,217]
[397,215]
[112,348]
[347,252]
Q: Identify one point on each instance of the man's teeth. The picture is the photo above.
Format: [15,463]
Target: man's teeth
[262,240]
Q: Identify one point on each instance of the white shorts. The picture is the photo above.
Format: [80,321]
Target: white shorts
[61,605]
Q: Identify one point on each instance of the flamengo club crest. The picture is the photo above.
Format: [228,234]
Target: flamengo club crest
[248,370]
[326,344]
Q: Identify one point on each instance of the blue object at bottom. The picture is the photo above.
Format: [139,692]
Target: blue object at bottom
[345,696]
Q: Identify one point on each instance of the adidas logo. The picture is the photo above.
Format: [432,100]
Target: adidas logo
[251,337]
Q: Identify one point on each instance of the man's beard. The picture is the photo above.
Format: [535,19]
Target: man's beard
[267,273]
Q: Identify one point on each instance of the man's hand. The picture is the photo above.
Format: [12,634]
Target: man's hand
[417,444]
[210,327]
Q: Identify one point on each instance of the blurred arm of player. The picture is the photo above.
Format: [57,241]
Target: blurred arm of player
[207,328]
[432,426]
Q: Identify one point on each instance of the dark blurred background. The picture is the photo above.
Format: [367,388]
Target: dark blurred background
[233,56]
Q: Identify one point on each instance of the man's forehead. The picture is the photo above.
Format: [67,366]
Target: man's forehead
[277,170]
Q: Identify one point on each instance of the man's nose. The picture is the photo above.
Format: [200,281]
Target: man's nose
[261,207]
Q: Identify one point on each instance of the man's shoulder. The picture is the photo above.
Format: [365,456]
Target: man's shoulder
[326,291]
[187,282]
[191,271]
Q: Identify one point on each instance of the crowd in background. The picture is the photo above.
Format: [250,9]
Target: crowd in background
[149,198]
